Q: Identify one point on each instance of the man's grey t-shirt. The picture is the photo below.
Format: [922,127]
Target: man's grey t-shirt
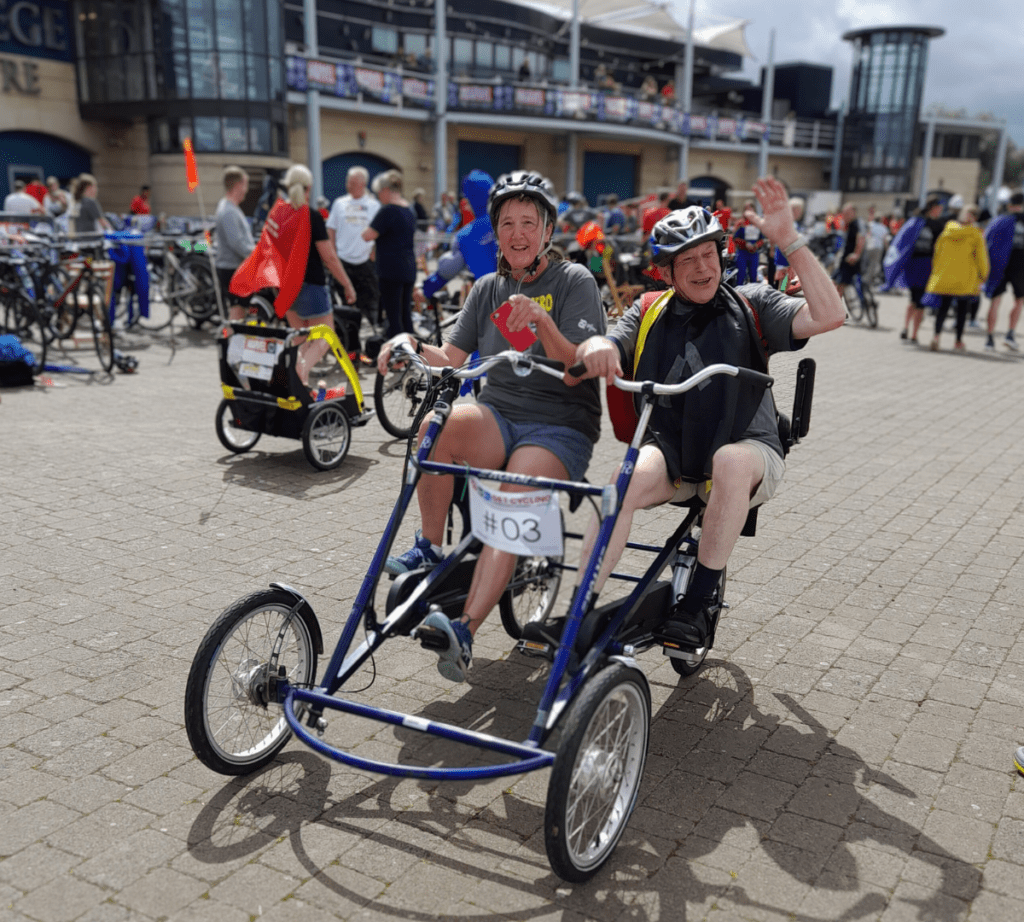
[569,293]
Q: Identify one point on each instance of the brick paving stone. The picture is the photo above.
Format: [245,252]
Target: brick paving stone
[845,753]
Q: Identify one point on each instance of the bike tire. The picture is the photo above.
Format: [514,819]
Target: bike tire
[397,398]
[232,726]
[597,772]
[21,318]
[102,337]
[326,436]
[200,303]
[233,437]
[854,307]
[531,594]
[870,307]
[686,668]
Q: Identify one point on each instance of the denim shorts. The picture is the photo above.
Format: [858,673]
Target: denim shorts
[312,301]
[570,446]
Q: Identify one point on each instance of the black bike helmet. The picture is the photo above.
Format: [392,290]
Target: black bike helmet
[682,229]
[522,182]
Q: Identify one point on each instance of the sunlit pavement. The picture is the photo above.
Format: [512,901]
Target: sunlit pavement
[847,753]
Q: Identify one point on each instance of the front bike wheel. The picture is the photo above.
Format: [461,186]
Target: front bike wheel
[233,726]
[398,396]
[853,303]
[531,593]
[870,307]
[193,288]
[102,338]
[597,771]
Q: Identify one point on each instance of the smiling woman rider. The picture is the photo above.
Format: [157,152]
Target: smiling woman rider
[532,425]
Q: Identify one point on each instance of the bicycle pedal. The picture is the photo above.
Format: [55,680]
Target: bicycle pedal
[431,638]
[536,648]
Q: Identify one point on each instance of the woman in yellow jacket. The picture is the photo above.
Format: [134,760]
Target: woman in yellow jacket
[959,269]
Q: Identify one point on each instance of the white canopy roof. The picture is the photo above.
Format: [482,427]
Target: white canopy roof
[651,16]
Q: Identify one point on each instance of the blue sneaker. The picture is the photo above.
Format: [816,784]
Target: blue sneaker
[454,662]
[422,554]
[1018,758]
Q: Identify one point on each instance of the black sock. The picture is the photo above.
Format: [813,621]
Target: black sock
[702,586]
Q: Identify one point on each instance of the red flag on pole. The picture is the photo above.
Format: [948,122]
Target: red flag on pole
[191,173]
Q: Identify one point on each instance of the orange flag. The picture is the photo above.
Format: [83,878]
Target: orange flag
[191,173]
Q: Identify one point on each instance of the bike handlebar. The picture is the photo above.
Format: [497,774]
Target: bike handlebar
[474,369]
[671,390]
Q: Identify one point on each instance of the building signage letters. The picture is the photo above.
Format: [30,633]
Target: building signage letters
[38,28]
[25,84]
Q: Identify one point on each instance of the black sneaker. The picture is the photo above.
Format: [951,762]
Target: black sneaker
[690,629]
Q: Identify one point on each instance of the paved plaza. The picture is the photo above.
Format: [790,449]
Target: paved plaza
[845,754]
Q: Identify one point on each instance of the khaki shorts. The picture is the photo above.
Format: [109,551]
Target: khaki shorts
[774,468]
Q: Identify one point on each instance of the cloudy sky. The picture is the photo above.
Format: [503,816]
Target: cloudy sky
[976,65]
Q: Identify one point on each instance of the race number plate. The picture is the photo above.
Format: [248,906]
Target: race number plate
[527,524]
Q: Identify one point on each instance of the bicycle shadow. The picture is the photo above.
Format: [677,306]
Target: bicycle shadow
[729,781]
[288,473]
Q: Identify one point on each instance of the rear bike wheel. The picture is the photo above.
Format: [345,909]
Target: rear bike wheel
[398,396]
[193,288]
[597,771]
[690,663]
[531,593]
[21,318]
[870,306]
[99,318]
[232,436]
[854,307]
[326,436]
[233,726]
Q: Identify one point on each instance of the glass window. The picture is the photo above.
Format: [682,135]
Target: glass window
[484,54]
[235,134]
[560,69]
[229,25]
[255,26]
[207,134]
[276,79]
[231,75]
[503,57]
[200,24]
[462,51]
[257,77]
[204,75]
[414,44]
[259,135]
[179,62]
[384,41]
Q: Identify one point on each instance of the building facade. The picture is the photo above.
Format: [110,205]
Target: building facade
[114,87]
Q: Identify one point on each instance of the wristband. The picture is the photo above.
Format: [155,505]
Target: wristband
[801,241]
[419,346]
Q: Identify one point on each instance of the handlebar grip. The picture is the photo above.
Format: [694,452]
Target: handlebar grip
[755,377]
[578,370]
[550,363]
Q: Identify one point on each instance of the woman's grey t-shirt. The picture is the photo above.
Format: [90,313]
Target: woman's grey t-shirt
[87,221]
[569,293]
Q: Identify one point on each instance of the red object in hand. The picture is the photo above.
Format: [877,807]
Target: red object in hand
[521,339]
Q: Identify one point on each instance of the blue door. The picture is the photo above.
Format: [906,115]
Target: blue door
[604,173]
[336,168]
[25,154]
[491,158]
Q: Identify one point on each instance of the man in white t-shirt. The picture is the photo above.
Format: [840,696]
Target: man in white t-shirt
[877,239]
[20,202]
[350,215]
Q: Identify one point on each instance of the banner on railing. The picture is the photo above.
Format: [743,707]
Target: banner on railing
[396,88]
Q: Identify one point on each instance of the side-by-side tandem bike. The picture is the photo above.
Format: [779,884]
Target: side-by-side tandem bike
[253,681]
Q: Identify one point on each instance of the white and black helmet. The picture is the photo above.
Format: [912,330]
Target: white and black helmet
[682,229]
[522,182]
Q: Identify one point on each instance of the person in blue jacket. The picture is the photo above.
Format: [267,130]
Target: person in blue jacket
[473,247]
